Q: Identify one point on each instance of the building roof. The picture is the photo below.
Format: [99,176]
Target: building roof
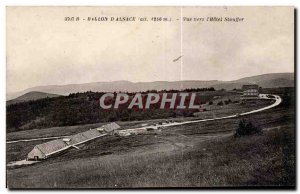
[51,146]
[250,86]
[56,145]
[84,136]
[111,127]
[59,144]
[91,133]
[75,139]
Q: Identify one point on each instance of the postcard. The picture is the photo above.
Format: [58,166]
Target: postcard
[150,97]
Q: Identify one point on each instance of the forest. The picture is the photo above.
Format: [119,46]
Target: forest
[84,108]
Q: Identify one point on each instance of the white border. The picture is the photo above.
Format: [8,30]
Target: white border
[5,3]
[149,2]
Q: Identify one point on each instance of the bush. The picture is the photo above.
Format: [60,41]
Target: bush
[210,103]
[220,103]
[246,129]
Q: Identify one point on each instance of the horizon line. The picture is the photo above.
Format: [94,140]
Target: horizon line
[140,81]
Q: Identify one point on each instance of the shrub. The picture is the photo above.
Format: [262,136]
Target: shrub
[210,103]
[246,129]
[220,103]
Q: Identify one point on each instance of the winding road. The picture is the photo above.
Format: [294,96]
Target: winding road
[277,99]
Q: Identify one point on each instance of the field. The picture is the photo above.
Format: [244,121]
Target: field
[195,155]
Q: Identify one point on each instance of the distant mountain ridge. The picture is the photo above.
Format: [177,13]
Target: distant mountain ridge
[265,81]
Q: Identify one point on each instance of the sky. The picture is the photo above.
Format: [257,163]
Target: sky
[43,49]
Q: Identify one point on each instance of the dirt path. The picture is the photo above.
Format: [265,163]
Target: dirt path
[36,139]
[21,163]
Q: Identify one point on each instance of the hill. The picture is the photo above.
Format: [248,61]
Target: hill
[31,96]
[266,81]
[266,77]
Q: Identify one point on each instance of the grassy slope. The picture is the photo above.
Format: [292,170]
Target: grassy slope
[71,130]
[266,159]
[146,161]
